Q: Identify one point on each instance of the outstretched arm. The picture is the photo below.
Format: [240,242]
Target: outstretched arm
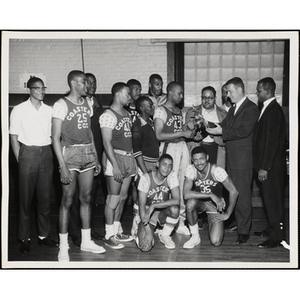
[167,137]
[147,242]
[188,193]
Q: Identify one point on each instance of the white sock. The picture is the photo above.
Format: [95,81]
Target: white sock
[181,223]
[86,235]
[117,227]
[63,239]
[169,226]
[109,231]
[194,229]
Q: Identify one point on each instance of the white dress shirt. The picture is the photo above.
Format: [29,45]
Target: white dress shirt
[265,104]
[238,104]
[31,125]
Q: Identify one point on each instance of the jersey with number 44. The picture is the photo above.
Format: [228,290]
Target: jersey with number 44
[157,192]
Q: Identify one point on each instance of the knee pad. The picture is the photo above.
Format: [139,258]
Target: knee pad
[112,201]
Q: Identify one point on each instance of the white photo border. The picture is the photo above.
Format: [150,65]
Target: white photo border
[180,36]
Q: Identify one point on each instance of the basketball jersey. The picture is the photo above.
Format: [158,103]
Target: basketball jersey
[211,183]
[157,193]
[122,136]
[76,127]
[174,122]
[133,113]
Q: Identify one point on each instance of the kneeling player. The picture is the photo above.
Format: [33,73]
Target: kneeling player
[202,191]
[156,205]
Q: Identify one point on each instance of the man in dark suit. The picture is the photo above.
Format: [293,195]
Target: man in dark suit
[237,131]
[269,141]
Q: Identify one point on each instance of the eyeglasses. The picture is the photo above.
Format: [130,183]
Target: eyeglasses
[37,88]
[208,98]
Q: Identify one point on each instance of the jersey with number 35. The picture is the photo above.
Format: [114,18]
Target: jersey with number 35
[211,183]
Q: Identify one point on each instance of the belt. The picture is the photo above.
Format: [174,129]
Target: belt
[122,152]
[79,145]
[35,146]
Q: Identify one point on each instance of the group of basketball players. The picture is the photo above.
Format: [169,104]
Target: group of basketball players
[145,153]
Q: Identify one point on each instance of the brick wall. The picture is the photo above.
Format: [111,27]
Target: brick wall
[110,60]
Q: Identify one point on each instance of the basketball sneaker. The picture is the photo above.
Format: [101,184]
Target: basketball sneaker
[182,229]
[91,246]
[192,242]
[63,254]
[120,237]
[167,241]
[113,243]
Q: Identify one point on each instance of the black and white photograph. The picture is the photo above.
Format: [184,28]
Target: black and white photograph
[149,149]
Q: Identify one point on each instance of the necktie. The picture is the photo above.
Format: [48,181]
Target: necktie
[234,109]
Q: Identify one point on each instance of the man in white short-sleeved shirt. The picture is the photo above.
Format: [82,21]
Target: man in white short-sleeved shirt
[30,132]
[203,191]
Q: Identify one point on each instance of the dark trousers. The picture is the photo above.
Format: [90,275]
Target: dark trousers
[272,191]
[212,151]
[35,173]
[242,180]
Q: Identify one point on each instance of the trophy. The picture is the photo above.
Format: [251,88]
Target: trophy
[200,123]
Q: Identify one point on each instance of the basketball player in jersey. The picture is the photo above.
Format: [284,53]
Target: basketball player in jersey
[155,92]
[77,158]
[170,131]
[203,192]
[156,206]
[119,166]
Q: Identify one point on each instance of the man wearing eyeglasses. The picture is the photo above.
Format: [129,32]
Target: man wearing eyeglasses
[30,132]
[214,145]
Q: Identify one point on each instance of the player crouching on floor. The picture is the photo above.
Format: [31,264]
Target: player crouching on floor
[156,207]
[203,191]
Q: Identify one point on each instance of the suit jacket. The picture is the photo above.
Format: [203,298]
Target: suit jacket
[269,139]
[95,127]
[238,135]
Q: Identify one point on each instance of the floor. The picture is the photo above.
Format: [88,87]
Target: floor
[228,255]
